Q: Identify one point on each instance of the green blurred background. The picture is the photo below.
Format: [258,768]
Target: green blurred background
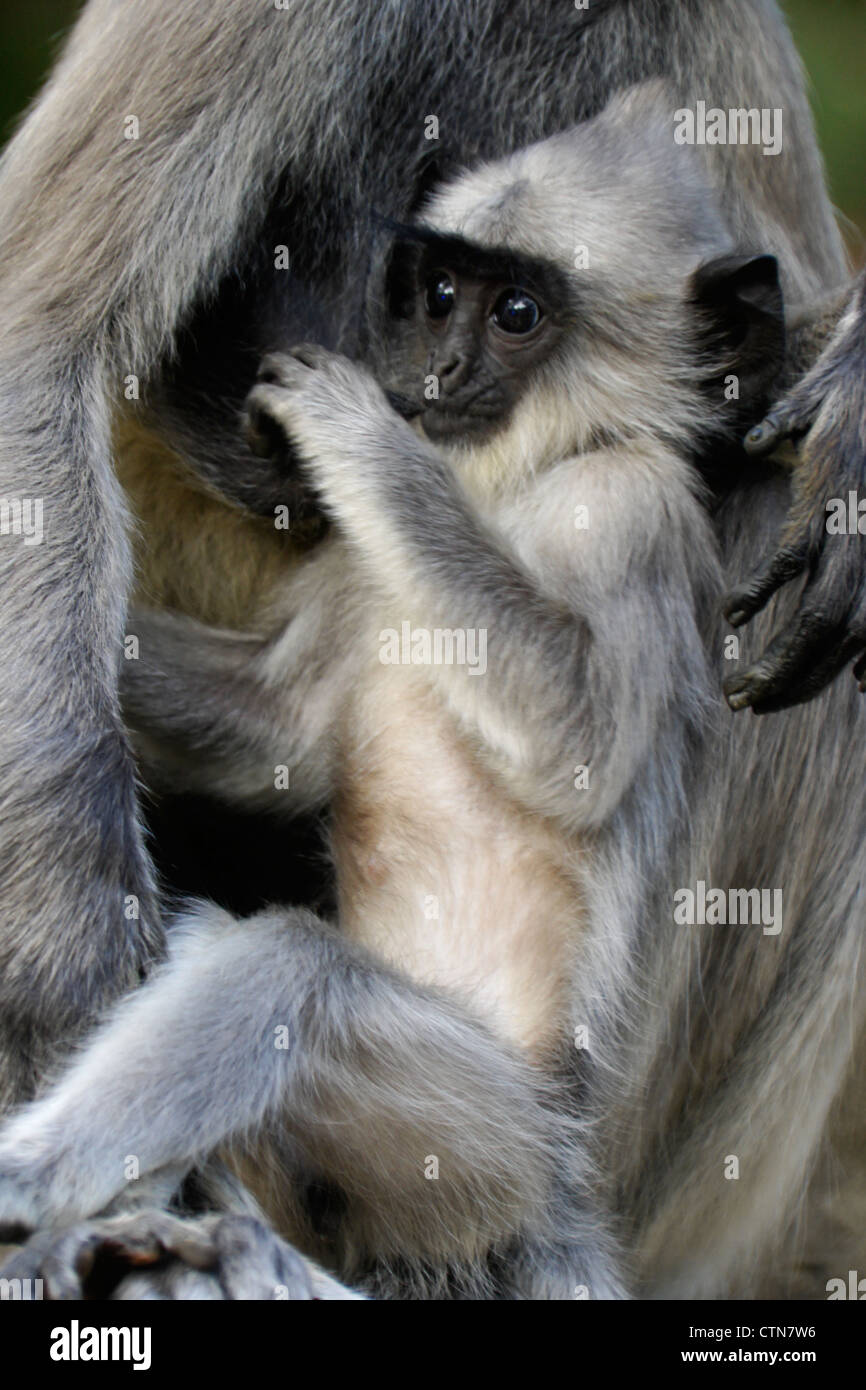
[831,35]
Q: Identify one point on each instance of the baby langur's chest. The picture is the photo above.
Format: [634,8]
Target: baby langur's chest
[440,873]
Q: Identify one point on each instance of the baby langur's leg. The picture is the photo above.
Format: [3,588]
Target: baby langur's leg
[276,1033]
[154,1254]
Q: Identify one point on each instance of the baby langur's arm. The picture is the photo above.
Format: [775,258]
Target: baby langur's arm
[218,711]
[592,641]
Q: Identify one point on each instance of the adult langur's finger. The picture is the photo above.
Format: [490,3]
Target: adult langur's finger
[744,602]
[818,677]
[806,646]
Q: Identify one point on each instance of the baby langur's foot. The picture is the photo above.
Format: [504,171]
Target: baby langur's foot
[156,1255]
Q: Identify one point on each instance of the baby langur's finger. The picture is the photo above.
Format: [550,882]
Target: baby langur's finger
[264,433]
[146,1235]
[280,369]
[289,369]
[139,1288]
[744,602]
[176,1283]
[69,1262]
[61,1259]
[254,1263]
[312,355]
[29,1262]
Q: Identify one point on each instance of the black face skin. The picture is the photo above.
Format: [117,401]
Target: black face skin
[485,320]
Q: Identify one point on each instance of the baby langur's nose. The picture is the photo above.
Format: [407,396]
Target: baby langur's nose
[452,370]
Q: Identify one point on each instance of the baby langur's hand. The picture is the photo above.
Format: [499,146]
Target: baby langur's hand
[329,410]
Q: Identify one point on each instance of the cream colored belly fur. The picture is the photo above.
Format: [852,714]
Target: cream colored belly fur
[440,873]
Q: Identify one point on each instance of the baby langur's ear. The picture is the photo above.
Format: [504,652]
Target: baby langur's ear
[741,325]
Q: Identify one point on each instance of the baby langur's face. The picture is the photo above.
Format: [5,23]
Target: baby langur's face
[480,335]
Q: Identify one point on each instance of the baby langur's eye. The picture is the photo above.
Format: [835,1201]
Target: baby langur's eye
[439,296]
[516,312]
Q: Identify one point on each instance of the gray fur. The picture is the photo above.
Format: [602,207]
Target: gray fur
[437,1082]
[605,649]
[700,1045]
[257,125]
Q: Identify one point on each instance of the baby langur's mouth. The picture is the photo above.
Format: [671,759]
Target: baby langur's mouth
[442,421]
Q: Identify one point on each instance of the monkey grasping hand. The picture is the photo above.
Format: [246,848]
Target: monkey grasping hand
[314,397]
[826,412]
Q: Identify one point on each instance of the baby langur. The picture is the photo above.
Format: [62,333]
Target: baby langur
[493,670]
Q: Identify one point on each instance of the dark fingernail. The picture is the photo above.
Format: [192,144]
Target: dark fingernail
[762,436]
[738,700]
[738,691]
[736,616]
